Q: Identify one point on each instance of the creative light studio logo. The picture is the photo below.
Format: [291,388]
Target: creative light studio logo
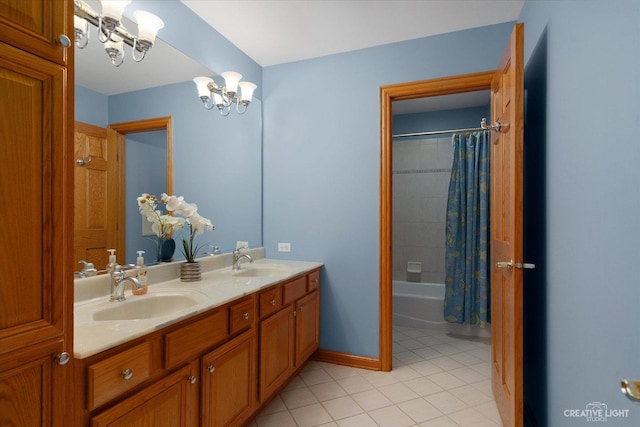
[596,412]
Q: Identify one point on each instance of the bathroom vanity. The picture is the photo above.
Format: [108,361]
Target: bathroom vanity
[214,355]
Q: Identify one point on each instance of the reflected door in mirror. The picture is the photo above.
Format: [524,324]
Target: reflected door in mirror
[97,183]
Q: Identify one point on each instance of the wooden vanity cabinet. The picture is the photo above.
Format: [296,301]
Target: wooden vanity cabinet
[229,387]
[171,401]
[36,294]
[290,336]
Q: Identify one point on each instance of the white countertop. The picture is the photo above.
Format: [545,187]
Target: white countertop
[216,288]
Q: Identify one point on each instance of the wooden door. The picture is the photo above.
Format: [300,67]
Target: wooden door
[36,294]
[307,326]
[98,216]
[277,349]
[506,231]
[229,382]
[166,403]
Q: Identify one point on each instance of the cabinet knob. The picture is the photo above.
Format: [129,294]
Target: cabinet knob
[62,358]
[211,368]
[127,374]
[273,302]
[64,40]
[245,316]
[192,379]
[302,308]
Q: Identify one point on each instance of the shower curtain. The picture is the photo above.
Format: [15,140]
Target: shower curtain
[467,296]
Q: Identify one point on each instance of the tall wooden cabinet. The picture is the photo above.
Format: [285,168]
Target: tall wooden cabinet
[36,183]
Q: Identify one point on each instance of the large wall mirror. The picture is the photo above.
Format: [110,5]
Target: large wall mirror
[213,161]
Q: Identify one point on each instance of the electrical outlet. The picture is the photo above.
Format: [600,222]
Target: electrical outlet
[284,247]
[240,244]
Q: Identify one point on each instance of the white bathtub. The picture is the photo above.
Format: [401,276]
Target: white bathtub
[421,305]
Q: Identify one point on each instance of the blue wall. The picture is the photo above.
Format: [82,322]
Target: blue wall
[322,159]
[585,56]
[216,160]
[91,107]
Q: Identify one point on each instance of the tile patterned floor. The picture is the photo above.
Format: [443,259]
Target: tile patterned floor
[438,380]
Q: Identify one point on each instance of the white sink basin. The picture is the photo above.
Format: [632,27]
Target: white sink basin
[262,270]
[145,307]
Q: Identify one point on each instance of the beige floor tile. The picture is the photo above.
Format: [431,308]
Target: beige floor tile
[326,391]
[342,407]
[371,399]
[391,416]
[419,410]
[311,415]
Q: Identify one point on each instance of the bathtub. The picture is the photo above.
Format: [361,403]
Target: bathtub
[421,305]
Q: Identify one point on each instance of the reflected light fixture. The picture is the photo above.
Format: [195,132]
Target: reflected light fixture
[213,95]
[110,31]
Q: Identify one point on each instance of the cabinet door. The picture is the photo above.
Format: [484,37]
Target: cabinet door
[35,26]
[277,361]
[36,296]
[167,403]
[229,382]
[307,326]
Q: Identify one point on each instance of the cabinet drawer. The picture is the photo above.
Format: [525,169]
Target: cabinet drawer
[313,280]
[117,374]
[242,315]
[295,289]
[270,301]
[188,342]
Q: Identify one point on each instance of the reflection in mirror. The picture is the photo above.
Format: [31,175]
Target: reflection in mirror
[217,161]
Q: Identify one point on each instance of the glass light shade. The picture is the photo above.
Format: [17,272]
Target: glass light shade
[201,83]
[115,43]
[80,24]
[231,79]
[246,89]
[148,25]
[114,8]
[217,99]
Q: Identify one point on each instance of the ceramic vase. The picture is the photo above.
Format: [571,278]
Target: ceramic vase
[190,272]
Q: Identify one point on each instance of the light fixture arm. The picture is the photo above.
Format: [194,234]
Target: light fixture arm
[82,10]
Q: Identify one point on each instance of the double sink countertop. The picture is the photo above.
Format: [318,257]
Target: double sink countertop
[100,324]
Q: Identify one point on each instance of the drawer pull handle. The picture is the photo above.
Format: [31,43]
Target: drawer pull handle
[63,358]
[245,316]
[192,379]
[127,374]
[273,302]
[211,368]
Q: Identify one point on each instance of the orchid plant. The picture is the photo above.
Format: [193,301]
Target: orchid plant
[163,225]
[197,224]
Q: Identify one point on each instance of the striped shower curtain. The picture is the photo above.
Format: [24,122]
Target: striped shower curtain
[467,297]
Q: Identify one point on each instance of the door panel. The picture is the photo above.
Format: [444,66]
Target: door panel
[96,195]
[507,231]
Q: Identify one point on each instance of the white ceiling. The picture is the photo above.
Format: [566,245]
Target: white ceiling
[279,31]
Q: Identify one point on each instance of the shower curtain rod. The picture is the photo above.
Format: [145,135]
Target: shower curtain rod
[483,126]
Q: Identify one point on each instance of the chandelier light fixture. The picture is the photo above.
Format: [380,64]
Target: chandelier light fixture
[110,31]
[213,95]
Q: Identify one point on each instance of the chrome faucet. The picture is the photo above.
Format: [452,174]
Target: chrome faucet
[118,279]
[237,256]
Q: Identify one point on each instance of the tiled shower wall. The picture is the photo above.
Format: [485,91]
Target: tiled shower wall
[421,171]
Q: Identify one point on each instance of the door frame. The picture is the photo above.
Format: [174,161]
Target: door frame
[124,128]
[397,92]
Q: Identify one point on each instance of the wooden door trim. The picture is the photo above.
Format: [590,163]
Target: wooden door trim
[146,125]
[136,126]
[388,94]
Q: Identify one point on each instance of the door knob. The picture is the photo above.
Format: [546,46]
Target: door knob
[504,264]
